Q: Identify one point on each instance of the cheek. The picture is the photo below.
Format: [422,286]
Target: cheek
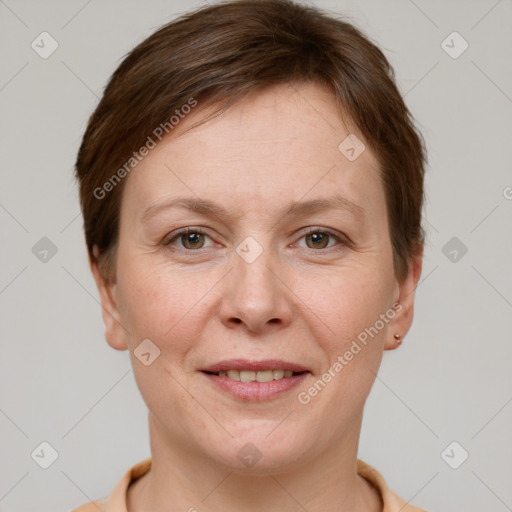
[350,312]
[166,308]
[167,305]
[346,301]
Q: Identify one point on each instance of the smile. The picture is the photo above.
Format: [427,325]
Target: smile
[256,376]
[255,380]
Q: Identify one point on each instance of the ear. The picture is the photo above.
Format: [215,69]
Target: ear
[115,333]
[404,313]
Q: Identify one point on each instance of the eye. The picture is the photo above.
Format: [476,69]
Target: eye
[320,238]
[190,238]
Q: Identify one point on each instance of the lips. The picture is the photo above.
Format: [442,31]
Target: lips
[255,380]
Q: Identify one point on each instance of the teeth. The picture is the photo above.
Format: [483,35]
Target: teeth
[247,376]
[265,376]
[252,376]
[278,374]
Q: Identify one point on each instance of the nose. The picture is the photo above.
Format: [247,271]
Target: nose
[255,296]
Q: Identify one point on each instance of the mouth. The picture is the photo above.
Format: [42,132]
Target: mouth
[255,380]
[255,376]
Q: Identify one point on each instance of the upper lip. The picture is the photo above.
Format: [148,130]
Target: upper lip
[245,364]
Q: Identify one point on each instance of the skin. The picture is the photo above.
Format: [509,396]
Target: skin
[297,301]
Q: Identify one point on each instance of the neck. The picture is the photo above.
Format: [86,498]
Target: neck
[191,482]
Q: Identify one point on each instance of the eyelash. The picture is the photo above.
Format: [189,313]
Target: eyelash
[340,239]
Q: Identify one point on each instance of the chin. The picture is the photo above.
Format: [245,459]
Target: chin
[263,447]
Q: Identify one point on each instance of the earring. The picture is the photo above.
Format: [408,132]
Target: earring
[397,338]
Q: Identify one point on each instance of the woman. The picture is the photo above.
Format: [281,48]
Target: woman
[252,184]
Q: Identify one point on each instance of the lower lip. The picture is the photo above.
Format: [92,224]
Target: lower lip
[256,391]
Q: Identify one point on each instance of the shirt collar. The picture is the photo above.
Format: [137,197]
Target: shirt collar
[116,502]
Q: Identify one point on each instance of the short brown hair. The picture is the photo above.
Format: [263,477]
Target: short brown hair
[220,54]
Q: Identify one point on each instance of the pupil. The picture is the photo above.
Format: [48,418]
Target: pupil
[192,238]
[318,238]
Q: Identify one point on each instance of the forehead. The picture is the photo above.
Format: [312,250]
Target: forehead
[278,146]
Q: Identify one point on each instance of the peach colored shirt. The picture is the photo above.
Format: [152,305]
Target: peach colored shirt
[116,502]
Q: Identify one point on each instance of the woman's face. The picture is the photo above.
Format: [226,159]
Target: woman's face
[267,280]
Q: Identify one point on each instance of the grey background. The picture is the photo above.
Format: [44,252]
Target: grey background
[451,379]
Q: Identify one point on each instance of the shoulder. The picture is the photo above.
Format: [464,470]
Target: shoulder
[92,506]
[391,501]
[116,501]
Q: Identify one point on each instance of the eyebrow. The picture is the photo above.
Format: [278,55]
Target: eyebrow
[297,209]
